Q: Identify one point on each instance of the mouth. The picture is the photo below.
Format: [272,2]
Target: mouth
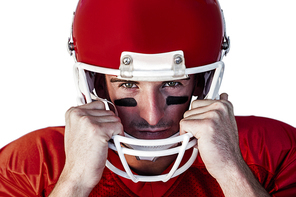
[143,130]
[152,134]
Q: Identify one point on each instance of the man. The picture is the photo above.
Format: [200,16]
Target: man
[138,65]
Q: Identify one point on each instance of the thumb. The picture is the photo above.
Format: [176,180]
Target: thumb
[224,96]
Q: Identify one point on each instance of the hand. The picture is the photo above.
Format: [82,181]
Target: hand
[213,123]
[88,130]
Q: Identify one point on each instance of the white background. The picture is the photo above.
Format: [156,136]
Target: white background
[36,71]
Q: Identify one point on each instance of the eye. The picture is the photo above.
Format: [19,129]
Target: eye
[171,84]
[128,85]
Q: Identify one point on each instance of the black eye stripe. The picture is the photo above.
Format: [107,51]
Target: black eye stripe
[170,100]
[126,102]
[176,100]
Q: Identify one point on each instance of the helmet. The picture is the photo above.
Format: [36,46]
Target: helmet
[148,40]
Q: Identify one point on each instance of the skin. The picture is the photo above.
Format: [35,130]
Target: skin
[212,122]
[152,118]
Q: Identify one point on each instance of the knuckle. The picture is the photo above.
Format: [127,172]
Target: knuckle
[85,120]
[117,119]
[110,113]
[73,112]
[214,114]
[182,122]
[109,129]
[211,125]
[188,124]
[119,127]
[221,106]
[186,114]
[69,111]
[194,103]
[99,104]
[230,105]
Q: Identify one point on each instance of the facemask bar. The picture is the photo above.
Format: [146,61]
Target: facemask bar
[175,171]
[148,148]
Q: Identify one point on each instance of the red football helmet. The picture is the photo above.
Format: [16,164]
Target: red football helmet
[148,40]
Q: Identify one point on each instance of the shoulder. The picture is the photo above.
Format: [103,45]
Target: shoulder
[269,146]
[33,161]
[265,130]
[35,142]
[261,123]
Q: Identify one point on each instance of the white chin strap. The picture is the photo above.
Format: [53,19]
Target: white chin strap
[175,170]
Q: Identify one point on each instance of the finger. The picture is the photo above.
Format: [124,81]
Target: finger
[199,107]
[103,119]
[75,113]
[94,105]
[213,110]
[200,115]
[201,103]
[190,126]
[205,102]
[105,126]
[110,129]
[98,112]
[224,96]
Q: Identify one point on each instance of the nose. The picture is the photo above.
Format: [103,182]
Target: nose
[152,106]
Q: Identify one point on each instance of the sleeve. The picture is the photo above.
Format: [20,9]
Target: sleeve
[285,180]
[32,163]
[270,146]
[285,172]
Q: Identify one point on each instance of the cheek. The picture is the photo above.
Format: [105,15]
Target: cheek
[127,107]
[177,110]
[127,114]
[180,109]
[128,110]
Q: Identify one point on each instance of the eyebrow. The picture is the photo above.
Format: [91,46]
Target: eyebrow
[114,80]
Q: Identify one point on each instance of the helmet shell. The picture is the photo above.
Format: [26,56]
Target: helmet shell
[102,30]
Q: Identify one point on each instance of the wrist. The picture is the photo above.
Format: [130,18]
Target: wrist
[70,185]
[240,181]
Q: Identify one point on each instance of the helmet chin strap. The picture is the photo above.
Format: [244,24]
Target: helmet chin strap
[150,148]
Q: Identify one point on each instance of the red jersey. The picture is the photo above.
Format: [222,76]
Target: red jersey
[31,165]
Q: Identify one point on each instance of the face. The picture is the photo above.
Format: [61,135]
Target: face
[150,110]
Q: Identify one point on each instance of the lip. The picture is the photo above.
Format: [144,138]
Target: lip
[152,134]
[151,130]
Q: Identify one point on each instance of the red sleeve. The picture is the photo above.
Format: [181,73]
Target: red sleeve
[270,145]
[32,163]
